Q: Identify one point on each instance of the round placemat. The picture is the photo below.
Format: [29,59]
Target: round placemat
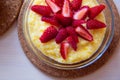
[73,73]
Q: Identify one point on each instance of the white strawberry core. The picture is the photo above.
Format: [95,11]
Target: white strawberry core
[53,6]
[66,9]
[80,14]
[66,47]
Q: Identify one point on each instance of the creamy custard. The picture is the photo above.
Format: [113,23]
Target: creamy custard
[85,48]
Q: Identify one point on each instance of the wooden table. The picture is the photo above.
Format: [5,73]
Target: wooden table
[14,65]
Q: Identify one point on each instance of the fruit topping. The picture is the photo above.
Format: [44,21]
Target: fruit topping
[72,42]
[64,21]
[95,24]
[71,20]
[49,33]
[55,8]
[51,19]
[61,36]
[76,4]
[59,2]
[42,10]
[64,46]
[78,22]
[66,11]
[94,11]
[81,14]
[84,33]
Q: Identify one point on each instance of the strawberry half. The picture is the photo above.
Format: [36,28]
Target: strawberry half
[95,24]
[94,11]
[72,42]
[59,2]
[81,14]
[64,49]
[65,21]
[51,19]
[76,4]
[71,32]
[62,35]
[48,34]
[42,10]
[78,22]
[66,11]
[84,33]
[55,8]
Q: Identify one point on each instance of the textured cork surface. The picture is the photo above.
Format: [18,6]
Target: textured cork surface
[72,73]
[9,10]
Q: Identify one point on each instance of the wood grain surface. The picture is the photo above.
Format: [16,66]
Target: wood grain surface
[73,73]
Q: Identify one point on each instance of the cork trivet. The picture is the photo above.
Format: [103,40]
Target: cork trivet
[9,10]
[73,73]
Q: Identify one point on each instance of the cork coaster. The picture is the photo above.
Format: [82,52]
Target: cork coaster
[73,73]
[9,10]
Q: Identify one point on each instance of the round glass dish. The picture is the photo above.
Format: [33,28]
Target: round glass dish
[105,44]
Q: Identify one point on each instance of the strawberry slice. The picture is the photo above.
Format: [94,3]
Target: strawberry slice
[71,32]
[55,8]
[76,4]
[64,49]
[51,19]
[65,21]
[84,33]
[81,14]
[95,24]
[48,34]
[62,35]
[42,10]
[94,11]
[59,2]
[66,11]
[72,42]
[78,22]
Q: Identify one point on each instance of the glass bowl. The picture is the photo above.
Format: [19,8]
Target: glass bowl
[104,46]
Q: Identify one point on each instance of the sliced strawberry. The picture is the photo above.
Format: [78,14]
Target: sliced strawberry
[84,33]
[55,8]
[42,10]
[71,32]
[62,35]
[78,22]
[65,21]
[76,4]
[59,2]
[95,24]
[72,42]
[66,11]
[48,34]
[81,14]
[52,20]
[64,49]
[94,11]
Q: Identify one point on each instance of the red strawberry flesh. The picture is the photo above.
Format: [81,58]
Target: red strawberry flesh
[95,24]
[55,8]
[59,2]
[61,36]
[48,34]
[64,21]
[84,33]
[81,14]
[42,10]
[76,4]
[72,42]
[64,49]
[94,11]
[51,19]
[78,22]
[71,32]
